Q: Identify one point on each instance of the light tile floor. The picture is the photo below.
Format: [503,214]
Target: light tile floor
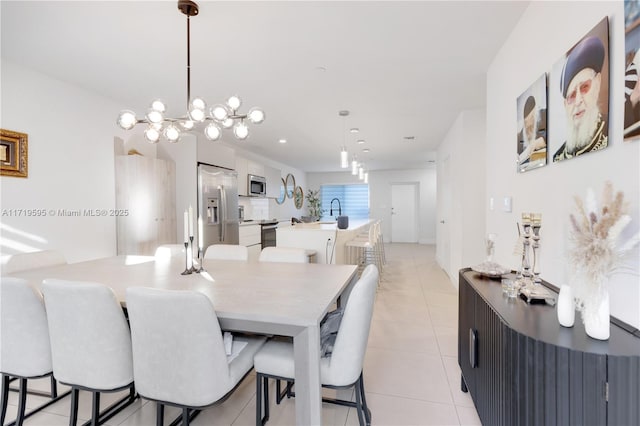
[411,371]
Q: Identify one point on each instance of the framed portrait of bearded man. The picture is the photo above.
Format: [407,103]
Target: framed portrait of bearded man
[579,97]
[531,108]
[632,69]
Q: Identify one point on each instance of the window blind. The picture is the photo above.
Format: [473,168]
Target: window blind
[354,200]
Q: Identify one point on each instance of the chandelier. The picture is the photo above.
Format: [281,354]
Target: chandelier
[213,119]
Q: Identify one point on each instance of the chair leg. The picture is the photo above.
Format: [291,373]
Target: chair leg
[75,395]
[159,414]
[22,402]
[262,399]
[95,409]
[359,407]
[360,388]
[5,397]
[185,416]
[54,387]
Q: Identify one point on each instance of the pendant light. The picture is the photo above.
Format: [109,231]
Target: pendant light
[220,116]
[344,155]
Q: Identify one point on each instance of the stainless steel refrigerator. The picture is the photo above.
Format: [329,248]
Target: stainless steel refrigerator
[218,205]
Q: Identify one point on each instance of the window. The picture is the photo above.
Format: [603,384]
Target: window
[354,200]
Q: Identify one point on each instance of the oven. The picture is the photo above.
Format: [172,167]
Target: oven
[269,234]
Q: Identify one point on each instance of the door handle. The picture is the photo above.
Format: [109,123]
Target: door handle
[223,215]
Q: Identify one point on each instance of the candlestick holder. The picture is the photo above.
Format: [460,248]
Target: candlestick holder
[191,268]
[526,234]
[187,270]
[200,260]
[536,224]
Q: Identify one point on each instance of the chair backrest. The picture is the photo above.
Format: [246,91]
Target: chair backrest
[169,250]
[283,254]
[90,338]
[25,350]
[227,252]
[351,342]
[37,259]
[178,349]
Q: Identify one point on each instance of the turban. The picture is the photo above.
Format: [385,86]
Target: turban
[589,53]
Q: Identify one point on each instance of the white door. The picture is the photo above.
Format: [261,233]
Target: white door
[404,213]
[443,250]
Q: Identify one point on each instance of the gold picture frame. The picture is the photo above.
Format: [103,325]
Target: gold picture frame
[14,154]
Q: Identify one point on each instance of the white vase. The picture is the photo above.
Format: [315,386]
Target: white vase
[565,307]
[596,317]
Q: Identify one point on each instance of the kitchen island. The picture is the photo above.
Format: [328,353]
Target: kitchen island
[324,237]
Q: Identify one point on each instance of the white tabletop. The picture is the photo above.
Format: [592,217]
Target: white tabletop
[280,298]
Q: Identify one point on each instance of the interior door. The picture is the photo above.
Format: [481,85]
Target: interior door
[404,213]
[443,249]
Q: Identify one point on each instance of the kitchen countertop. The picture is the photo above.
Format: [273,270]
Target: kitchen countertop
[331,225]
[249,222]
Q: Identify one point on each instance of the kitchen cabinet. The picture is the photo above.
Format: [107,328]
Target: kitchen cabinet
[250,237]
[146,197]
[521,367]
[274,181]
[255,168]
[246,167]
[242,170]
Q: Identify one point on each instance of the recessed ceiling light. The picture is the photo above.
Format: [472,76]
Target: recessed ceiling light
[366,150]
[360,141]
[409,138]
[282,140]
[354,130]
[321,69]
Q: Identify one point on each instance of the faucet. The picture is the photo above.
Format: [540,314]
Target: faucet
[331,207]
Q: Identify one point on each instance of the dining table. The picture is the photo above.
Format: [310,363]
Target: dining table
[285,299]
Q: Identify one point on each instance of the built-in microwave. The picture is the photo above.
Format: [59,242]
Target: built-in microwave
[256,186]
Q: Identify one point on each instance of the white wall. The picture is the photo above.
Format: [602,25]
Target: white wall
[464,147]
[71,166]
[380,182]
[71,135]
[549,190]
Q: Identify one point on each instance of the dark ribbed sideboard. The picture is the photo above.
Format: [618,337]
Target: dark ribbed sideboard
[522,368]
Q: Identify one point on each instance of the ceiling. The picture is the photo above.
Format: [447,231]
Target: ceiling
[402,69]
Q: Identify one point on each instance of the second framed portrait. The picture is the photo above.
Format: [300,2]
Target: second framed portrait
[532,126]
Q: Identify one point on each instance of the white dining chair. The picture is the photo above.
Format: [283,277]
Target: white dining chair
[90,343]
[25,351]
[342,368]
[227,252]
[169,250]
[177,332]
[32,260]
[284,254]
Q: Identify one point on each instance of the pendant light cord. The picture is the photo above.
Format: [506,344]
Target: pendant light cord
[188,61]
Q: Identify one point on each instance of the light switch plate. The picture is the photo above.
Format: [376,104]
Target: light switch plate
[506,204]
[491,206]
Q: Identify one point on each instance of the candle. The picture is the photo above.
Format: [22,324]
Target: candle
[186,226]
[190,221]
[200,231]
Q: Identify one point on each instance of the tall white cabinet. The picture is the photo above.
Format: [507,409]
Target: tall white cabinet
[146,193]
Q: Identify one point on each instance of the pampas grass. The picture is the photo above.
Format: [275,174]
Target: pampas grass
[595,254]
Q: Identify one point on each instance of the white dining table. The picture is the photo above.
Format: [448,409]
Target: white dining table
[287,299]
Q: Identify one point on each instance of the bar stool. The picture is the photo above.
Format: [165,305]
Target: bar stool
[363,251]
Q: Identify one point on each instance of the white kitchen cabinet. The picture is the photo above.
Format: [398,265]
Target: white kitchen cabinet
[255,168]
[241,169]
[146,203]
[251,237]
[272,175]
